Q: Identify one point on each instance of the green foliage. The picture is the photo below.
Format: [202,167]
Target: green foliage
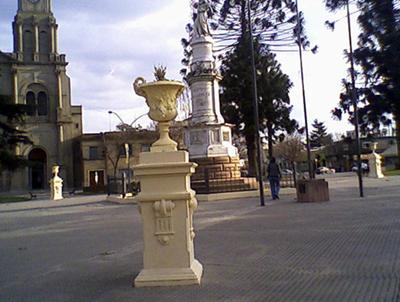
[12,199]
[319,135]
[11,115]
[273,92]
[274,23]
[275,26]
[378,57]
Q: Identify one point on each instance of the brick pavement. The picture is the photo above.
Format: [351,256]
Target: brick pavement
[343,250]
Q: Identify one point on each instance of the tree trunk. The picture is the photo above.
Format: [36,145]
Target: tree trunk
[294,173]
[251,154]
[243,17]
[270,132]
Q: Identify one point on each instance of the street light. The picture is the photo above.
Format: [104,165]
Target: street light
[122,121]
[126,145]
[354,99]
[310,168]
[255,105]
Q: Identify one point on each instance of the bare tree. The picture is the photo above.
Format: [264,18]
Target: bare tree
[291,149]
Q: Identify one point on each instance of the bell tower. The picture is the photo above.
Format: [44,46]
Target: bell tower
[35,32]
[35,74]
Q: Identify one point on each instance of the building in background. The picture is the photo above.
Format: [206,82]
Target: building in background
[110,154]
[35,74]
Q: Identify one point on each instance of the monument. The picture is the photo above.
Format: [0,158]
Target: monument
[375,163]
[56,184]
[166,202]
[208,137]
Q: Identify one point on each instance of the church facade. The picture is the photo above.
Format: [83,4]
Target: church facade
[35,74]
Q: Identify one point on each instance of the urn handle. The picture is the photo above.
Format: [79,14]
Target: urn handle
[136,86]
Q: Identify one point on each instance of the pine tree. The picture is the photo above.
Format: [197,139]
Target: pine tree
[274,24]
[378,57]
[11,116]
[273,92]
[319,135]
[274,28]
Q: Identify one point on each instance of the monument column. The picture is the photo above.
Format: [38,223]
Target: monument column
[208,137]
[36,40]
[20,43]
[15,84]
[55,38]
[52,44]
[59,89]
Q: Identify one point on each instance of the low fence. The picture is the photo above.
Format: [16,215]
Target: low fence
[120,185]
[210,185]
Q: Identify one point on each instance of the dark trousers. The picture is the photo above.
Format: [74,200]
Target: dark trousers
[275,186]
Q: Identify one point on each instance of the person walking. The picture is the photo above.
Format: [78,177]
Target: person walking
[274,176]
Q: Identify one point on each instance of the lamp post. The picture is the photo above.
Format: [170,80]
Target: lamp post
[310,168]
[126,145]
[354,100]
[255,109]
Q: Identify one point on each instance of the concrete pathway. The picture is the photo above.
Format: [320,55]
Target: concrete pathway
[343,250]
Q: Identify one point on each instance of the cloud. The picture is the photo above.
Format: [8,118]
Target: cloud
[106,56]
[109,43]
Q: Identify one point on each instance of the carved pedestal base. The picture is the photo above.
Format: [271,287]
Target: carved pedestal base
[218,175]
[166,203]
[170,276]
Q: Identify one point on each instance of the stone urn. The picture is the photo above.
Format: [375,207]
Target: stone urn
[161,97]
[56,184]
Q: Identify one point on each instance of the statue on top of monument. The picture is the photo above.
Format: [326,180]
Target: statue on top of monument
[201,28]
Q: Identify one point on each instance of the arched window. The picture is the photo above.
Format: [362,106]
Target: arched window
[44,46]
[31,102]
[44,42]
[42,103]
[28,45]
[37,98]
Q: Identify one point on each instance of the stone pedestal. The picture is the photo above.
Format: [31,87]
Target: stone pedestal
[56,184]
[312,190]
[166,203]
[208,138]
[220,174]
[375,165]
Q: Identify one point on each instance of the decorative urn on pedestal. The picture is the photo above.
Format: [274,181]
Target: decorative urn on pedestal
[375,163]
[161,97]
[166,201]
[56,184]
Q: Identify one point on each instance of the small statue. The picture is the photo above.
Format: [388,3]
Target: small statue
[201,28]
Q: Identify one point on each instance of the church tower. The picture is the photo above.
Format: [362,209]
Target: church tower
[35,74]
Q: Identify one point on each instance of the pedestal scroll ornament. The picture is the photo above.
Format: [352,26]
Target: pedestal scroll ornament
[163,222]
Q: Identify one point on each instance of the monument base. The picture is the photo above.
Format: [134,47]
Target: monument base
[220,174]
[312,190]
[170,276]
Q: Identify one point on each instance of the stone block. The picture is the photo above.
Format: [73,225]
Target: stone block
[312,190]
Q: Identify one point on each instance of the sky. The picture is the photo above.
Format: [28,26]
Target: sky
[109,43]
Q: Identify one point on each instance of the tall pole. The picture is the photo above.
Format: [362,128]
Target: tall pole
[354,99]
[255,105]
[310,168]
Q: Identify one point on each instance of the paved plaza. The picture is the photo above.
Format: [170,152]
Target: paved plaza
[86,249]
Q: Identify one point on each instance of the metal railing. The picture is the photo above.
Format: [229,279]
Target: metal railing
[212,184]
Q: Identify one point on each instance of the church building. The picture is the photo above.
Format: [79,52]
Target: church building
[35,74]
